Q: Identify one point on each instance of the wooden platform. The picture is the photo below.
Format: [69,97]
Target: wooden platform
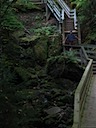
[89,116]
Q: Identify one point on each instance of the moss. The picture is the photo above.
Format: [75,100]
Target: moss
[29,38]
[25,5]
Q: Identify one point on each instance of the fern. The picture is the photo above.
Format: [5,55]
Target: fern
[45,30]
[10,21]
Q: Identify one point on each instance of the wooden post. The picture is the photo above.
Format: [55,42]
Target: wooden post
[48,13]
[63,33]
[63,36]
[60,27]
[79,33]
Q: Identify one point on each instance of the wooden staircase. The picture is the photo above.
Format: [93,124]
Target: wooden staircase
[69,24]
[65,16]
[94,66]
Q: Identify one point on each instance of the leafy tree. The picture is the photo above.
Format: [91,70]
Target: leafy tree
[87,16]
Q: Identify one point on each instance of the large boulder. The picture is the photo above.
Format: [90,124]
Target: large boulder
[59,66]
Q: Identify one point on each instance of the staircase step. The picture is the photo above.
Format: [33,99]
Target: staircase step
[92,56]
[94,66]
[74,31]
[94,61]
[91,52]
[94,72]
[69,24]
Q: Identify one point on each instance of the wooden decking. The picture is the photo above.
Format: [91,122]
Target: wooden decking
[89,115]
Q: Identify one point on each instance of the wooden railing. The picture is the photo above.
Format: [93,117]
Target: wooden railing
[81,94]
[59,7]
[83,86]
[84,56]
[90,50]
[80,53]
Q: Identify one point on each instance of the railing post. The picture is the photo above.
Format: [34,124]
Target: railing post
[60,28]
[62,14]
[63,36]
[75,19]
[77,108]
[47,11]
[79,33]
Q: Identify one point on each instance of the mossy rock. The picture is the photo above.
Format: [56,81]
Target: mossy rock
[41,52]
[54,46]
[18,34]
[57,67]
[25,5]
[73,71]
[29,39]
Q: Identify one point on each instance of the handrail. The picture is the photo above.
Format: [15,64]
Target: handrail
[81,94]
[84,56]
[66,8]
[83,87]
[82,53]
[55,9]
[71,13]
[59,7]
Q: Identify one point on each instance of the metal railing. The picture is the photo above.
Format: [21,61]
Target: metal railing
[71,13]
[59,7]
[55,9]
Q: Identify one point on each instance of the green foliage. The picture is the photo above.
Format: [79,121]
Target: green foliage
[26,91]
[25,5]
[10,21]
[54,46]
[71,56]
[78,3]
[87,17]
[64,66]
[58,62]
[91,37]
[23,73]
[5,71]
[5,5]
[49,30]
